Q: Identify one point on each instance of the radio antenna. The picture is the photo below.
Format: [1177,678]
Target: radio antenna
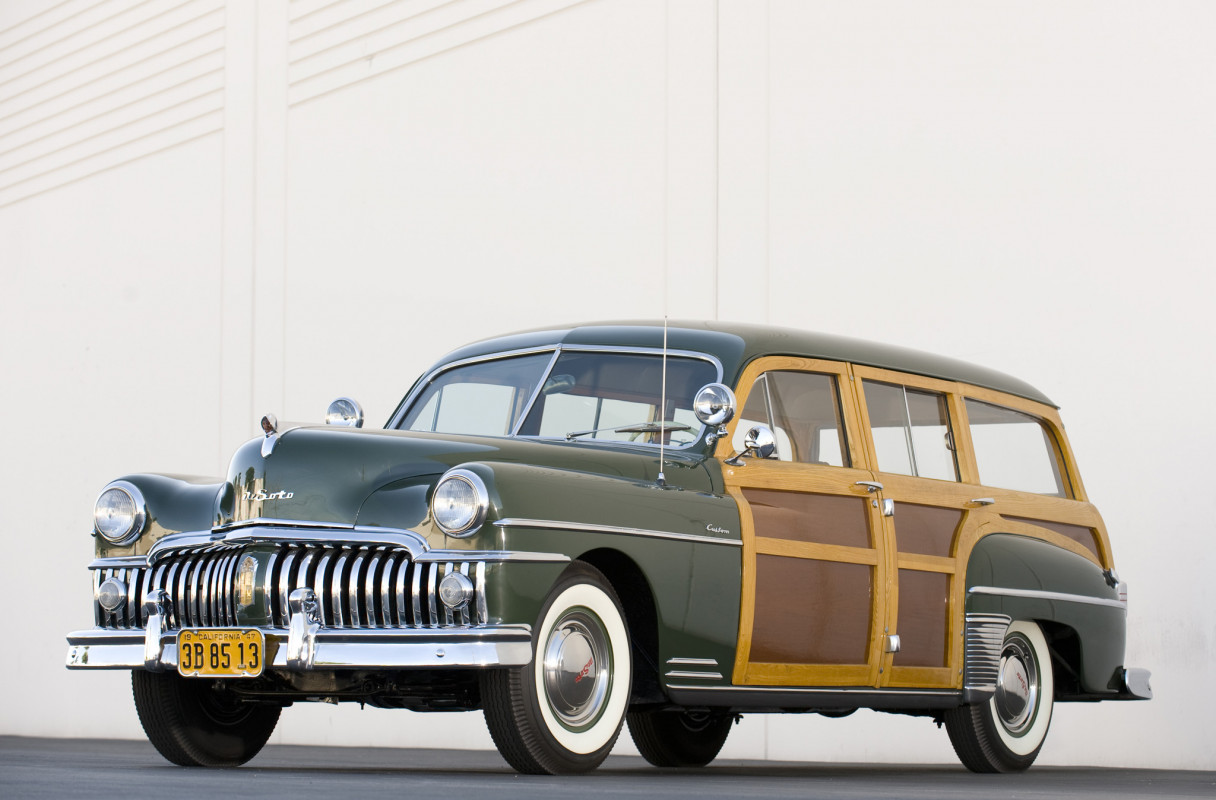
[663,407]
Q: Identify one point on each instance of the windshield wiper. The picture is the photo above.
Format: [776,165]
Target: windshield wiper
[639,427]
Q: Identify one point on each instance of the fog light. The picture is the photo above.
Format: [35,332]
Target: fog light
[244,581]
[111,594]
[455,590]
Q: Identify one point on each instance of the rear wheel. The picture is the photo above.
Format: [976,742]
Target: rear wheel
[679,738]
[562,713]
[193,724]
[1006,733]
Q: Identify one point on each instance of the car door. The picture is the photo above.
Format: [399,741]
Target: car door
[816,557]
[912,441]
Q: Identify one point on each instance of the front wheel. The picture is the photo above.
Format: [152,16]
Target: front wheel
[1006,733]
[193,724]
[562,713]
[679,738]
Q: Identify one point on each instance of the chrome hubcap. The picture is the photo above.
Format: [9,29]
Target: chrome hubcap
[1017,686]
[576,669]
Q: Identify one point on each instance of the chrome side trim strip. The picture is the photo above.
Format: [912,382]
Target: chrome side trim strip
[118,562]
[842,690]
[1038,594]
[692,662]
[708,676]
[516,522]
[492,556]
[782,698]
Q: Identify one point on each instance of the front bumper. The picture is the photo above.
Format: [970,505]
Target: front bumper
[498,646]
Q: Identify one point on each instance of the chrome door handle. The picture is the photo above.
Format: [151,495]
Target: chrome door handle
[871,486]
[983,501]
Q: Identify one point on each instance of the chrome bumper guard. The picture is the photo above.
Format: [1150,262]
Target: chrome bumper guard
[305,645]
[1136,685]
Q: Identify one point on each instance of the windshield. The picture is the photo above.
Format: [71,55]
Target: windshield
[589,395]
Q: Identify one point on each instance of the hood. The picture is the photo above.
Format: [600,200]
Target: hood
[325,474]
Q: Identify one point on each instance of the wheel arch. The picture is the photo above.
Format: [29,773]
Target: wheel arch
[641,616]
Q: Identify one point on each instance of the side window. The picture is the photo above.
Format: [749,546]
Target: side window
[1014,450]
[911,431]
[803,411]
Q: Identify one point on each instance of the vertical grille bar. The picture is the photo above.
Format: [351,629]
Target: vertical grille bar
[402,574]
[169,587]
[284,585]
[143,592]
[416,595]
[353,591]
[134,576]
[432,586]
[219,612]
[226,599]
[318,585]
[272,597]
[98,614]
[448,618]
[464,610]
[301,579]
[204,602]
[369,588]
[336,591]
[386,588]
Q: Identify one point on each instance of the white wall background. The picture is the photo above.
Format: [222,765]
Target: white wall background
[211,210]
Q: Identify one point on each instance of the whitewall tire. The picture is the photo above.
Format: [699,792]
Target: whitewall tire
[562,713]
[1006,733]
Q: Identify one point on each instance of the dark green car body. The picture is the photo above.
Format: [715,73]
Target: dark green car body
[347,514]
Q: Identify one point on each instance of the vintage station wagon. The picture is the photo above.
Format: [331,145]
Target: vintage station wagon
[627,523]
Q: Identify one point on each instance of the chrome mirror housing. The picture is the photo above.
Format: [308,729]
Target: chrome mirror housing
[345,413]
[714,406]
[758,442]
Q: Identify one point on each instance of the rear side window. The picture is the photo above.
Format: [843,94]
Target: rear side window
[911,431]
[1014,450]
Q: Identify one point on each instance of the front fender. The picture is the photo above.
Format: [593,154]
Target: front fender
[175,503]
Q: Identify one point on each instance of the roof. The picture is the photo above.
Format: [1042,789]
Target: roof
[736,344]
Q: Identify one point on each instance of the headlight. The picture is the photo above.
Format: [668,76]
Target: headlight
[460,503]
[120,513]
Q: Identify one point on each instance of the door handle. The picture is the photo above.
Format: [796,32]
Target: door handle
[871,486]
[983,501]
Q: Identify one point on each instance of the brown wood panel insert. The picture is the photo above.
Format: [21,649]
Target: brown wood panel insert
[927,530]
[923,599]
[1078,533]
[822,518]
[811,612]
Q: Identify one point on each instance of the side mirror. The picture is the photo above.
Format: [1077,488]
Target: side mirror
[714,406]
[345,413]
[758,442]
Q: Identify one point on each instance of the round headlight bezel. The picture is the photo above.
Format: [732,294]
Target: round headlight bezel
[461,528]
[139,517]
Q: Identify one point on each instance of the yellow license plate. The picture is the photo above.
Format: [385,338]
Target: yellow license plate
[220,652]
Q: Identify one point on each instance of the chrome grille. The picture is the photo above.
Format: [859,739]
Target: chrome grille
[356,587]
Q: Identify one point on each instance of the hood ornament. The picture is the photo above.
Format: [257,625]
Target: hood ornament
[270,426]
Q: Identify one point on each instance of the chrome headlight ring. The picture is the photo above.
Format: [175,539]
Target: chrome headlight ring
[460,503]
[120,513]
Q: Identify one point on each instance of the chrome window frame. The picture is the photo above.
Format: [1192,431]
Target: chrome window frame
[557,350]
